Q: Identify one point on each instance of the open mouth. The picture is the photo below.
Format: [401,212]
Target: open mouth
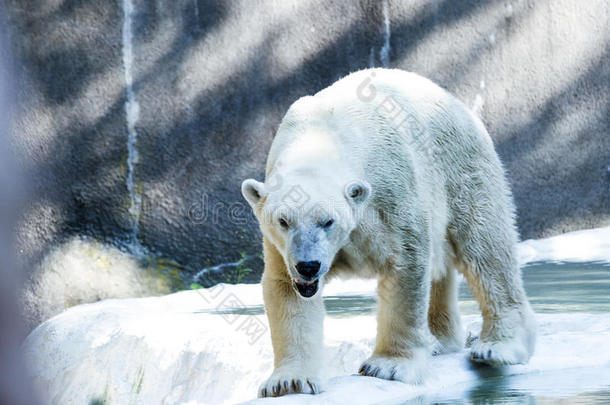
[306,289]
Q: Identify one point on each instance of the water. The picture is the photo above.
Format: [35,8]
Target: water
[559,287]
[132,111]
[564,387]
[384,52]
[477,104]
[552,288]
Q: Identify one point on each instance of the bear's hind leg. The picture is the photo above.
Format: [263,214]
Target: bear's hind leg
[508,333]
[443,314]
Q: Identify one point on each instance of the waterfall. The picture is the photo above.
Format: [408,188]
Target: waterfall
[196,9]
[132,111]
[384,52]
[477,104]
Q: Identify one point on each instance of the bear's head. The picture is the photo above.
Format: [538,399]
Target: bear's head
[308,219]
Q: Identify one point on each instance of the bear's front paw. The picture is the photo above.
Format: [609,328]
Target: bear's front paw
[408,370]
[285,381]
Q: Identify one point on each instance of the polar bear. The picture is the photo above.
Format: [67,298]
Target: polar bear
[384,174]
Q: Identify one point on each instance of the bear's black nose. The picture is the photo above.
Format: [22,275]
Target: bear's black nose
[308,269]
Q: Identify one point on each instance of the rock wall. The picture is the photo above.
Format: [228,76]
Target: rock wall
[139,119]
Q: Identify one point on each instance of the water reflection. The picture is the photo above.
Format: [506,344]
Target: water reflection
[577,386]
[551,287]
[559,287]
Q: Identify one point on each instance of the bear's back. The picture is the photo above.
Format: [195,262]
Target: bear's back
[383,119]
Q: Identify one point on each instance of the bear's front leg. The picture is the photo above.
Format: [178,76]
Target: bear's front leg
[404,342]
[296,332]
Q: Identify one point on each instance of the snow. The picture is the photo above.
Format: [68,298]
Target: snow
[178,349]
[578,246]
[212,346]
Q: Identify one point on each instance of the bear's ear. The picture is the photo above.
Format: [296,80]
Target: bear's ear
[253,191]
[358,191]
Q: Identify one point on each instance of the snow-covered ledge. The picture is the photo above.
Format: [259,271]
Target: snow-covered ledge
[213,347]
[578,246]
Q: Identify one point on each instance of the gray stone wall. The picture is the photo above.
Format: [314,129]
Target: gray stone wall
[139,119]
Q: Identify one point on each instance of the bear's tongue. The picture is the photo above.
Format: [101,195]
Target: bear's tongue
[307,289]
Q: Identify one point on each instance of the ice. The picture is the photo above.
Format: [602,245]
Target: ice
[212,346]
[578,246]
[204,347]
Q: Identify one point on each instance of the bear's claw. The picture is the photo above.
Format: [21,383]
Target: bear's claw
[278,386]
[394,368]
[499,353]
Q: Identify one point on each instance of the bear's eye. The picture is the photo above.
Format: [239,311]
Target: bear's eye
[328,223]
[356,192]
[283,223]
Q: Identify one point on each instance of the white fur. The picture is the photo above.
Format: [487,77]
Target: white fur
[410,177]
